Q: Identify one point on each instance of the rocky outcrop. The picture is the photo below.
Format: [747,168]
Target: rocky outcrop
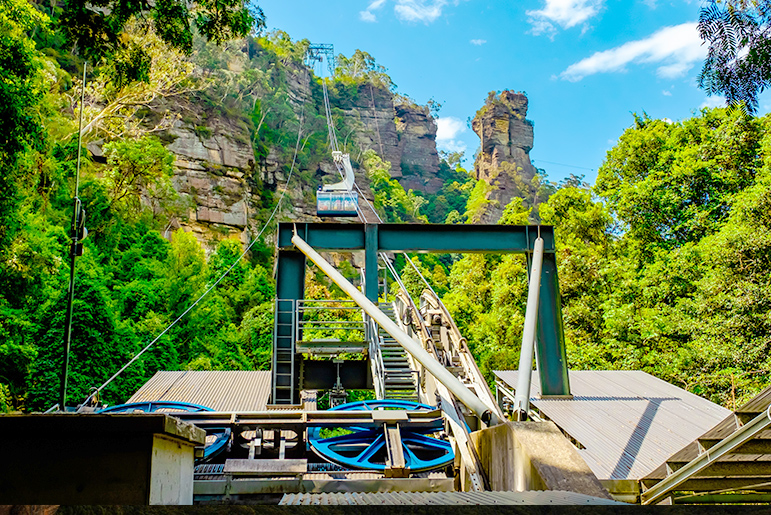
[402,133]
[223,181]
[504,160]
[214,158]
[416,130]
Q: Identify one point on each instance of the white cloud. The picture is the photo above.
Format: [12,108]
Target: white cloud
[713,102]
[452,145]
[448,127]
[676,48]
[666,93]
[565,13]
[425,11]
[478,42]
[447,131]
[368,15]
[419,10]
[668,121]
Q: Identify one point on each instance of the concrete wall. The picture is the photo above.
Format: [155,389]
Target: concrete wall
[520,456]
[171,474]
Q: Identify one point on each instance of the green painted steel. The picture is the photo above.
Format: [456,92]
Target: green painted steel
[550,335]
[328,236]
[290,275]
[375,238]
[370,262]
[290,287]
[419,237]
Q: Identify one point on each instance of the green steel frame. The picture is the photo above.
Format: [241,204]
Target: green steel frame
[376,238]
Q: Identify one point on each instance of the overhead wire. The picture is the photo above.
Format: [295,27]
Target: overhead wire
[225,274]
[333,144]
[389,265]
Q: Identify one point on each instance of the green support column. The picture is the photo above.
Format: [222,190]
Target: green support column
[370,262]
[290,287]
[290,275]
[550,336]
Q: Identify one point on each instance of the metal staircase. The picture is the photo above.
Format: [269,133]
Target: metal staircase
[399,380]
[284,338]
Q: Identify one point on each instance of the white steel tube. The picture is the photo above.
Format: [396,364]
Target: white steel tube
[442,375]
[522,396]
[738,438]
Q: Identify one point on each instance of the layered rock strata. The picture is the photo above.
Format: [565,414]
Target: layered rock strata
[503,160]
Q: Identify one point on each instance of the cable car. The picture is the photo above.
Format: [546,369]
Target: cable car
[339,199]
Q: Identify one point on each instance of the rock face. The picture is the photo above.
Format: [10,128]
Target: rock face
[402,133]
[214,158]
[223,182]
[416,132]
[504,160]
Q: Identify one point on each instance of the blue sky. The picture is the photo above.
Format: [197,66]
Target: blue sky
[586,65]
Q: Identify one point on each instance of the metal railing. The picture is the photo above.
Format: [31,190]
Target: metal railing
[322,320]
[376,358]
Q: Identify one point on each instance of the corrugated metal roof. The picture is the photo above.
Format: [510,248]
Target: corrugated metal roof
[220,390]
[445,498]
[628,422]
[734,466]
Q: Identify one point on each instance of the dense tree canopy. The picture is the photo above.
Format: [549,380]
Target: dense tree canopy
[22,86]
[738,64]
[663,265]
[96,27]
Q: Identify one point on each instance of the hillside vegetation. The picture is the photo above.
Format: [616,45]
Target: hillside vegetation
[664,263]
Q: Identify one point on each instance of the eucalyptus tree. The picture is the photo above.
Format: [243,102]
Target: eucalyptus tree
[738,64]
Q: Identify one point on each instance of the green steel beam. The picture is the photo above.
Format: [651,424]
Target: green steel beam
[419,237]
[290,286]
[550,349]
[370,262]
[290,275]
[552,357]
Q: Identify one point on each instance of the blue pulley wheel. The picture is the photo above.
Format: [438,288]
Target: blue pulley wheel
[216,438]
[365,448]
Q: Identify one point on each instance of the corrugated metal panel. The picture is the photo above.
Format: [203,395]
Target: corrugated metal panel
[722,430]
[445,498]
[221,390]
[363,475]
[757,404]
[628,422]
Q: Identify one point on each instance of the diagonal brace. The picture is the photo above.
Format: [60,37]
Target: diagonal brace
[741,436]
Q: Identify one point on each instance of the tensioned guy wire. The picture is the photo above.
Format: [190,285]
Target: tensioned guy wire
[225,274]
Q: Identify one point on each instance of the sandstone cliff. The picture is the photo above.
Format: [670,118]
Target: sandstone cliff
[218,171]
[401,132]
[230,174]
[503,160]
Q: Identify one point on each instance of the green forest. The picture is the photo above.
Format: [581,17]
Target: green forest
[664,263]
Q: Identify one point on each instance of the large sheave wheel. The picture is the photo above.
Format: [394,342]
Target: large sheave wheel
[365,448]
